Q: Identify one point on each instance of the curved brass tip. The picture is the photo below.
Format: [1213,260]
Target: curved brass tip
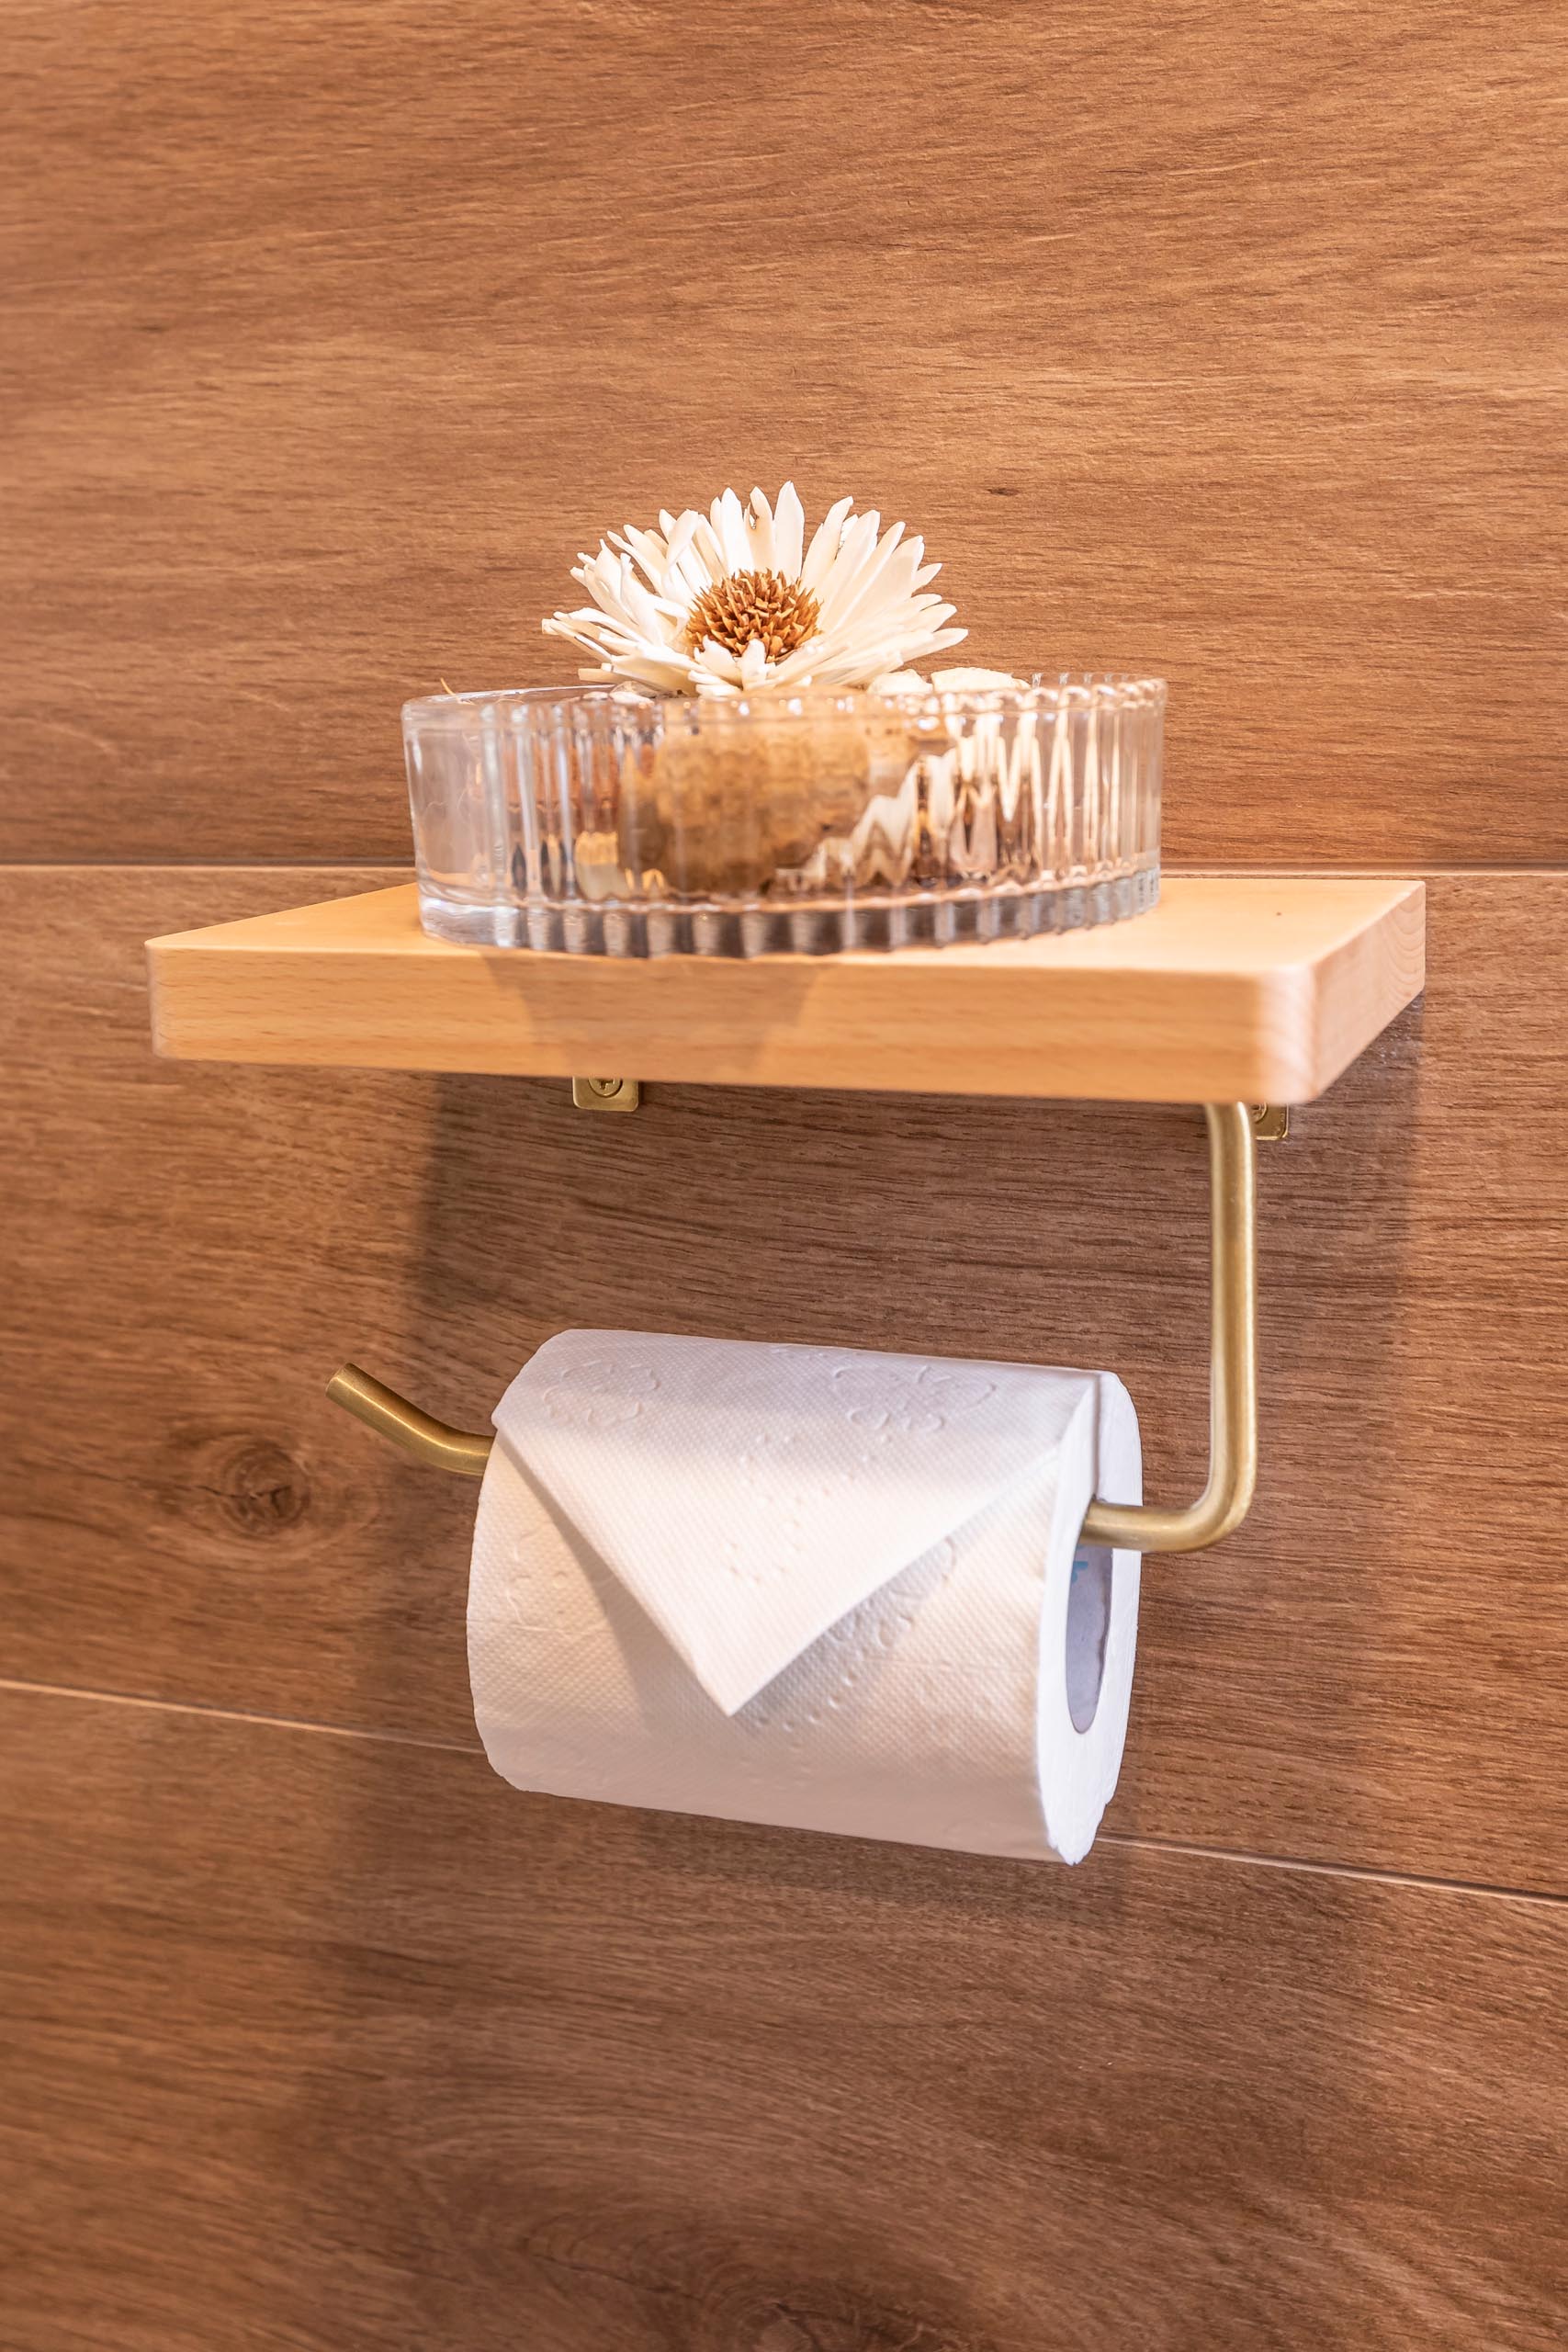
[421,1434]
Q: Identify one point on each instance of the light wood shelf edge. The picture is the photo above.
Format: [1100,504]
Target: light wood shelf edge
[1236,987]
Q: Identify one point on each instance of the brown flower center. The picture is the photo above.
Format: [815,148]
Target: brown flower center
[763,605]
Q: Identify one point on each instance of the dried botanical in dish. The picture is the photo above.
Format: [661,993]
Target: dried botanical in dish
[753,762]
[734,602]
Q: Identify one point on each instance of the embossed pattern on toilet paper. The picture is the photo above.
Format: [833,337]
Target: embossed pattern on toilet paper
[936,1708]
[797,1479]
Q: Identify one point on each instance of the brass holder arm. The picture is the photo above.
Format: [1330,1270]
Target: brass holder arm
[1134,1527]
[431,1442]
[1233,1361]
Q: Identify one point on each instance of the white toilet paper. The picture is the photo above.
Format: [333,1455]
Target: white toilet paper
[807,1585]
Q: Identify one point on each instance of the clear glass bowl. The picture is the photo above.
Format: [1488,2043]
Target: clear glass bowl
[607,822]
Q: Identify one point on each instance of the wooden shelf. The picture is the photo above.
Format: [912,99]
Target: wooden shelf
[1233,988]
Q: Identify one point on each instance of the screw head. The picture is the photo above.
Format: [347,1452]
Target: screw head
[605,1093]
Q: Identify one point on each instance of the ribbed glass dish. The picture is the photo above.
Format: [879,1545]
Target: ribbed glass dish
[607,822]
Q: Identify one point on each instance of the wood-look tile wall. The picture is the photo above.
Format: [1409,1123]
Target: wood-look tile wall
[1215,340]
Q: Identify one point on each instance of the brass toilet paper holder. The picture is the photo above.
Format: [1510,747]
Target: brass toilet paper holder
[1233,1129]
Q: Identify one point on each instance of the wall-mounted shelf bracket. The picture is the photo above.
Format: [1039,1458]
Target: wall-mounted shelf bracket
[1140,1527]
[605,1093]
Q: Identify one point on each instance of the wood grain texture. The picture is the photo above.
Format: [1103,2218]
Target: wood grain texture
[1375,1669]
[1226,343]
[341,2046]
[1222,343]
[1233,988]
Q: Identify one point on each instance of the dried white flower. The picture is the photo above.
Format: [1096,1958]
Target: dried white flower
[734,602]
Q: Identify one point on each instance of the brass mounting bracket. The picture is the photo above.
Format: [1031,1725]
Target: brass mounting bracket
[1134,1527]
[605,1093]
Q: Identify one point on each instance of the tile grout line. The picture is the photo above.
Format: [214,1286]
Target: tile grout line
[1413,869]
[1241,1856]
[402,867]
[1368,1872]
[148,1704]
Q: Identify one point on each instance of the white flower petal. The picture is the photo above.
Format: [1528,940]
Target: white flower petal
[893,583]
[855,546]
[706,547]
[603,580]
[762,533]
[594,614]
[855,549]
[642,607]
[648,551]
[687,584]
[851,594]
[581,629]
[872,588]
[754,663]
[789,531]
[825,544]
[719,659]
[729,529]
[685,574]
[668,676]
[796,668]
[678,537]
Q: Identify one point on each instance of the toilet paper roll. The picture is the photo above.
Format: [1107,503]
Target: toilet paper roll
[813,1587]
